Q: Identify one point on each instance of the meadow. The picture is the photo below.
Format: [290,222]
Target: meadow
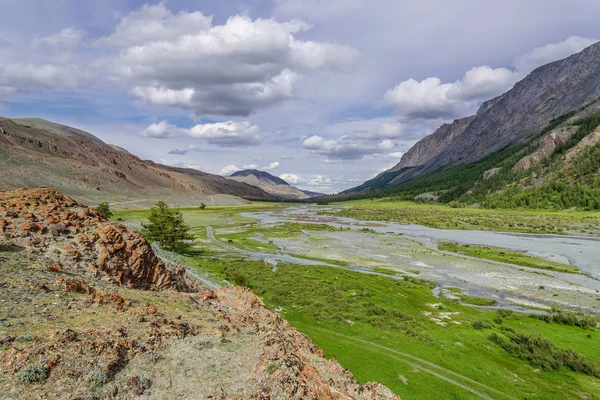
[445,217]
[391,328]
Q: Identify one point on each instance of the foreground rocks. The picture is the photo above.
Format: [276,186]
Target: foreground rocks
[87,310]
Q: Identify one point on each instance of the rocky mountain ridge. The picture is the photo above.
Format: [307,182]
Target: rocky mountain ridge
[546,93]
[89,311]
[271,184]
[37,153]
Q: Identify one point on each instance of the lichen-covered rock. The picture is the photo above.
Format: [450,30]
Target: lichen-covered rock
[87,240]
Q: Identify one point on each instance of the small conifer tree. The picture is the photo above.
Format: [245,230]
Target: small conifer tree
[104,210]
[166,226]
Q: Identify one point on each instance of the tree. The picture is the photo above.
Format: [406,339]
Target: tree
[104,210]
[202,206]
[166,227]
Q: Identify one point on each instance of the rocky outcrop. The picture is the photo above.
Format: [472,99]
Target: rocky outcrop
[107,319]
[589,141]
[546,148]
[490,172]
[43,220]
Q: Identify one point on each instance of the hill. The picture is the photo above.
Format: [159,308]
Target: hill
[89,311]
[271,184]
[536,124]
[35,152]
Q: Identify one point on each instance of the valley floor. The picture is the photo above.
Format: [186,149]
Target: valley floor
[420,314]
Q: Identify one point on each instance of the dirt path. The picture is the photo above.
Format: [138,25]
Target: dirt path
[438,371]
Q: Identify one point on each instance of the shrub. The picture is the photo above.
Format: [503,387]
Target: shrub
[479,324]
[32,374]
[104,210]
[97,378]
[272,367]
[542,353]
[139,384]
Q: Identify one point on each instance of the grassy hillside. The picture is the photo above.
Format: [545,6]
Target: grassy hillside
[551,184]
[431,347]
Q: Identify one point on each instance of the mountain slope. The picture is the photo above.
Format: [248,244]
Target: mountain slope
[36,153]
[90,312]
[269,183]
[546,93]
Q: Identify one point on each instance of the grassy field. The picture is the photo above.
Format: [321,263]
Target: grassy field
[507,256]
[445,217]
[395,331]
[398,333]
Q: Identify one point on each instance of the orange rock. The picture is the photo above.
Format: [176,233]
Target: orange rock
[55,268]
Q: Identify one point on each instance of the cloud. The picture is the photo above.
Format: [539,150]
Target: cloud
[67,40]
[552,52]
[290,178]
[230,169]
[33,78]
[154,23]
[272,166]
[313,182]
[223,134]
[228,134]
[178,152]
[432,99]
[184,61]
[346,147]
[370,129]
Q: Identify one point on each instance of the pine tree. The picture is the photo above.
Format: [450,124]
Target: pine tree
[166,227]
[104,210]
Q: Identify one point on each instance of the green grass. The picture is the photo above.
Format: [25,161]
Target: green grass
[445,217]
[507,256]
[386,271]
[376,326]
[369,321]
[477,301]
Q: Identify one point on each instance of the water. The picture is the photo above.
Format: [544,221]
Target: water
[583,252]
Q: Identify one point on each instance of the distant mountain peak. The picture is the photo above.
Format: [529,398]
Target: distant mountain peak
[261,176]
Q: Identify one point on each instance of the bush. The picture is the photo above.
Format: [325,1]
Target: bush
[479,324]
[542,353]
[32,374]
[97,378]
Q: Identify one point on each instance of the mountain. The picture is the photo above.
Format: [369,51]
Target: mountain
[35,152]
[508,120]
[271,184]
[112,320]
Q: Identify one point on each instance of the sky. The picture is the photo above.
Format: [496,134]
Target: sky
[323,93]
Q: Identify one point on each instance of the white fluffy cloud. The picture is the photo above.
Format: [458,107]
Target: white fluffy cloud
[223,134]
[154,23]
[230,169]
[183,60]
[320,183]
[431,99]
[272,166]
[346,147]
[33,78]
[552,52]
